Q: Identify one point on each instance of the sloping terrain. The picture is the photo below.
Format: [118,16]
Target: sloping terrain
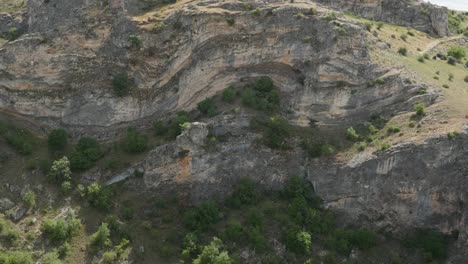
[232,132]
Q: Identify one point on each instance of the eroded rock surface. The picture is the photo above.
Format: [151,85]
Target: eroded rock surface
[61,72]
[417,14]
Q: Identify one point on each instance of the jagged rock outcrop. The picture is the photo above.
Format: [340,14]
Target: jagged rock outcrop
[417,14]
[60,73]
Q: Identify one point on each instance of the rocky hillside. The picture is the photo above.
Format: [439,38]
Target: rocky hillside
[307,131]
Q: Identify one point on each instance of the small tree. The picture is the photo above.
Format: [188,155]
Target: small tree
[351,134]
[420,109]
[57,139]
[60,171]
[213,254]
[101,238]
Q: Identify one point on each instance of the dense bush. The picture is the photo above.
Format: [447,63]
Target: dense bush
[207,107]
[457,52]
[60,171]
[299,242]
[317,149]
[98,196]
[20,139]
[121,84]
[101,238]
[261,95]
[351,134]
[62,229]
[135,142]
[276,132]
[172,129]
[403,51]
[85,155]
[245,194]
[51,258]
[57,139]
[16,257]
[214,253]
[202,217]
[433,244]
[29,199]
[229,95]
[420,109]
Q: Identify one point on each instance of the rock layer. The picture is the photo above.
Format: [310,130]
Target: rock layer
[417,14]
[60,73]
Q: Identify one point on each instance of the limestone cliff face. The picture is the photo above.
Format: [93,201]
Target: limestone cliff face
[407,186]
[416,14]
[61,71]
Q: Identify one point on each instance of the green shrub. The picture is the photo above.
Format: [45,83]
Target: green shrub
[466,79]
[16,257]
[433,243]
[229,95]
[57,139]
[393,129]
[21,140]
[380,25]
[175,126]
[30,199]
[61,230]
[98,196]
[51,258]
[404,37]
[446,86]
[276,132]
[351,134]
[101,238]
[202,217]
[244,194]
[207,107]
[362,146]
[420,109]
[234,232]
[403,51]
[13,34]
[109,257]
[379,81]
[60,171]
[457,52]
[299,242]
[135,41]
[421,59]
[85,155]
[230,21]
[66,187]
[256,239]
[121,84]
[369,26]
[261,95]
[189,245]
[315,150]
[213,253]
[135,142]
[453,135]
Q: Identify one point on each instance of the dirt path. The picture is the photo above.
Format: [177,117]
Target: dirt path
[432,45]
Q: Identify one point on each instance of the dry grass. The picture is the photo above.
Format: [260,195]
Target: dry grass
[11,6]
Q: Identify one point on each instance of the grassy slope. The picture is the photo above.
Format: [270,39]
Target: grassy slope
[446,116]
